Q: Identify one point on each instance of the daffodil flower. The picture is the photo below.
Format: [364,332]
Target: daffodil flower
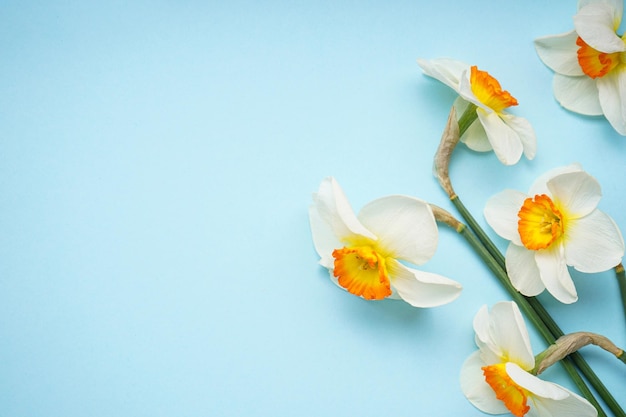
[509,136]
[555,225]
[590,62]
[365,255]
[497,378]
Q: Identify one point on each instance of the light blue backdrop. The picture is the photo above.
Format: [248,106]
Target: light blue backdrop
[157,160]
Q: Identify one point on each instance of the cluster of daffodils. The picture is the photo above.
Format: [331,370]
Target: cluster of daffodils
[553,227]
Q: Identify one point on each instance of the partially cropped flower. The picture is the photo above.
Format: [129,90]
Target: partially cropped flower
[555,225]
[365,254]
[590,62]
[497,378]
[509,136]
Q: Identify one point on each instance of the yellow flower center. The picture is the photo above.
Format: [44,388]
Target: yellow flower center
[595,63]
[512,395]
[540,222]
[361,271]
[487,89]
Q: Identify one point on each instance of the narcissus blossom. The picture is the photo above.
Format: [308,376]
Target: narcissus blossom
[509,136]
[590,62]
[366,254]
[555,225]
[497,378]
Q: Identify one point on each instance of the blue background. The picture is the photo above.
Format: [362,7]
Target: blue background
[157,160]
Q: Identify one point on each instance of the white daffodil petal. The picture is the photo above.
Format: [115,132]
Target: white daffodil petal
[560,53]
[578,192]
[547,398]
[554,274]
[419,288]
[524,131]
[476,390]
[405,227]
[616,5]
[594,243]
[596,23]
[501,212]
[523,271]
[466,92]
[334,208]
[481,328]
[509,332]
[573,405]
[611,91]
[490,352]
[475,138]
[577,94]
[540,186]
[324,239]
[504,140]
[446,70]
[533,384]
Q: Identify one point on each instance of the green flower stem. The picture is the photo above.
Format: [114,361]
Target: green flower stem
[621,281]
[480,233]
[538,311]
[579,360]
[530,313]
[467,118]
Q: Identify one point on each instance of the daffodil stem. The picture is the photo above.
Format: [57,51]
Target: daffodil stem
[530,313]
[467,118]
[579,360]
[621,282]
[480,233]
[543,320]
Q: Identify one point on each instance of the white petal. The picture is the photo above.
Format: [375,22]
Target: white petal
[446,70]
[577,94]
[332,220]
[547,398]
[465,90]
[523,271]
[490,352]
[554,274]
[481,325]
[616,5]
[573,405]
[540,185]
[509,332]
[524,131]
[596,24]
[324,238]
[501,212]
[504,140]
[612,96]
[419,288]
[405,226]
[593,243]
[560,53]
[533,384]
[475,138]
[476,390]
[577,192]
[501,335]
